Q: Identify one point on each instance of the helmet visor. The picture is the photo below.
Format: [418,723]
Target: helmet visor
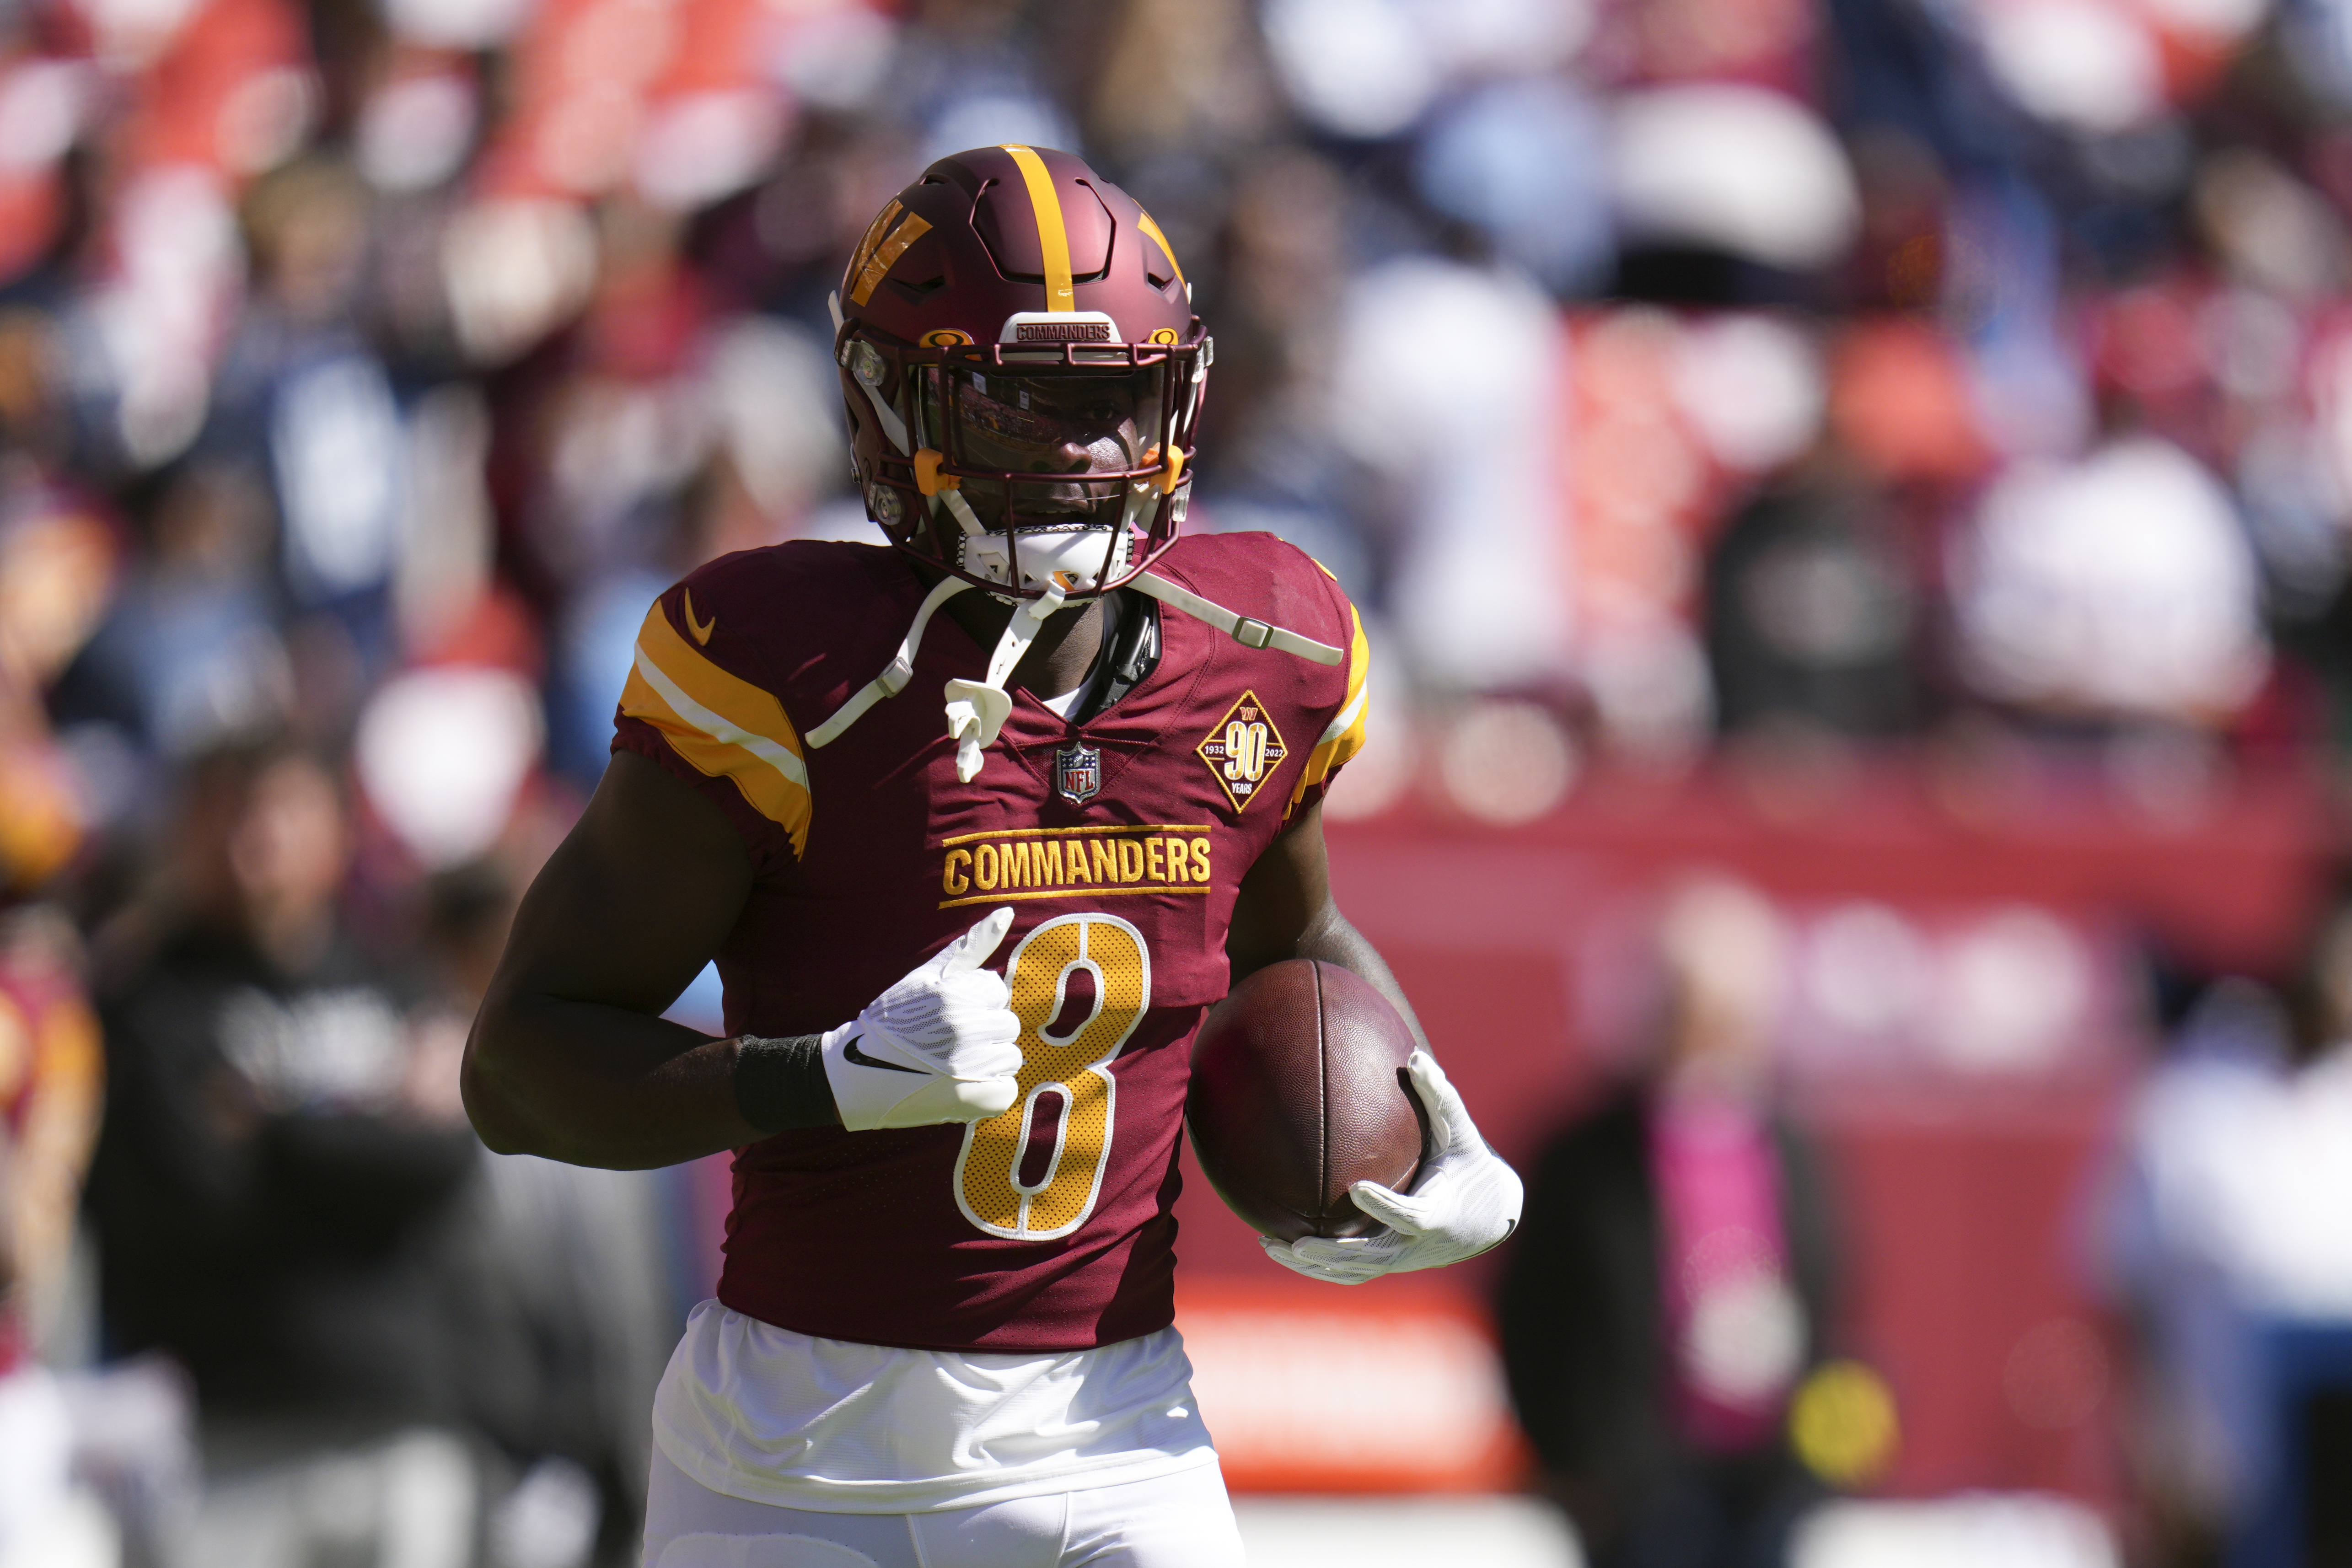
[1046,446]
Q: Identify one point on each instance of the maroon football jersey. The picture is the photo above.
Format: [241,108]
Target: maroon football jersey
[1120,844]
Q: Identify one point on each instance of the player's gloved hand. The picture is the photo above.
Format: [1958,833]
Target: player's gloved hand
[939,1045]
[1466,1201]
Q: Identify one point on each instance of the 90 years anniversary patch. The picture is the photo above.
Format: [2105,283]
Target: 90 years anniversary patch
[1243,750]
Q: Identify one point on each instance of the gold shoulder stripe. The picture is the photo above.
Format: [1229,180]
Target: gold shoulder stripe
[1052,234]
[1345,735]
[725,726]
[1166,249]
[877,265]
[1360,670]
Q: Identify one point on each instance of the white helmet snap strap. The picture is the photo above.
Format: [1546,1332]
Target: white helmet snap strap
[893,680]
[1241,628]
[977,709]
[887,418]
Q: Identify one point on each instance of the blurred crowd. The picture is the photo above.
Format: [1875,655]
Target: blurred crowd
[1666,379]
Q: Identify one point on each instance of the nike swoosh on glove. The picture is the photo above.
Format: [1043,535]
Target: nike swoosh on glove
[1466,1201]
[942,1045]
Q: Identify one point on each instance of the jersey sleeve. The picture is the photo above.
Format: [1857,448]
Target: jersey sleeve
[694,705]
[1343,737]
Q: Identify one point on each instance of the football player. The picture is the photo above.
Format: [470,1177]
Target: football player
[976,827]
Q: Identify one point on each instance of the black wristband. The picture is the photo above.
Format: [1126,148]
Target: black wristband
[780,1083]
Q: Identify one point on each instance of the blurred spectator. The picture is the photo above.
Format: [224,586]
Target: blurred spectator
[1819,609]
[1812,616]
[276,1186]
[190,650]
[2224,1235]
[1670,1283]
[576,1312]
[1457,440]
[49,1075]
[56,565]
[2117,588]
[301,397]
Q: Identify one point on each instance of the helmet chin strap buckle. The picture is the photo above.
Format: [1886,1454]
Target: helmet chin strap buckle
[976,709]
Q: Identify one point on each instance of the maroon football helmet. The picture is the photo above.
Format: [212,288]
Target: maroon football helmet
[1022,372]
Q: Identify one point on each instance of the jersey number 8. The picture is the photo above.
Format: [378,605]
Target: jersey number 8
[1033,1173]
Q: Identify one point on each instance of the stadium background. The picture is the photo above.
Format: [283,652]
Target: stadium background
[1890,457]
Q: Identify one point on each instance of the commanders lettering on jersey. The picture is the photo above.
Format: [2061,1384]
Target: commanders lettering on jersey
[724,725]
[1074,862]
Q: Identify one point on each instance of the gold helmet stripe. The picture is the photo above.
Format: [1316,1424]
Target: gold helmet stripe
[874,232]
[1053,238]
[885,256]
[1161,240]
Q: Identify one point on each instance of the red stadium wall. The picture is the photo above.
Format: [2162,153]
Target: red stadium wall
[1962,1197]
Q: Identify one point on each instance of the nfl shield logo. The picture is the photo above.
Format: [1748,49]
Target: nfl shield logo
[1078,773]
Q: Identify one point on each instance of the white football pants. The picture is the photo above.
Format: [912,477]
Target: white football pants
[1182,1520]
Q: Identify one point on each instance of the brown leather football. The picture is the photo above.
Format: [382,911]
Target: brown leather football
[1299,1089]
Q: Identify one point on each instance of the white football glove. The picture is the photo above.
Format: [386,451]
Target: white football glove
[941,1044]
[1466,1201]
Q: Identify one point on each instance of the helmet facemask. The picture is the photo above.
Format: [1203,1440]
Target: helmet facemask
[1028,468]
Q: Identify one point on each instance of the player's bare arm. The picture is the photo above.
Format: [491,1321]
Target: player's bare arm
[1287,910]
[570,1057]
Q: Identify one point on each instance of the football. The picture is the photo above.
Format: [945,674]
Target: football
[1299,1089]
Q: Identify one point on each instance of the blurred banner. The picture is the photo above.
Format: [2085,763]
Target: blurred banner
[1391,1387]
